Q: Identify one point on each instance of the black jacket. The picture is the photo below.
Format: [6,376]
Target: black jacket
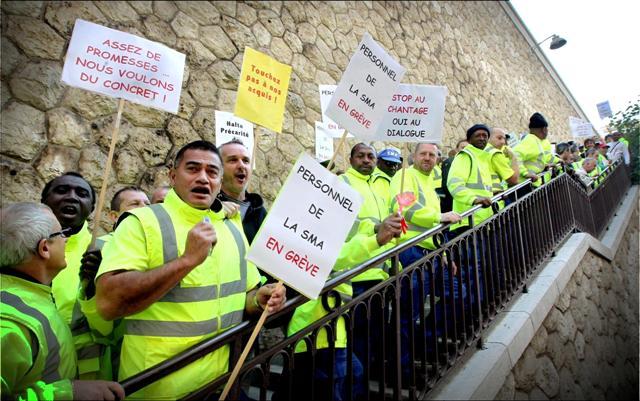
[255,214]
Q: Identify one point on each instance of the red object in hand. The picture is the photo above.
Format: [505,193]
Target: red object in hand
[404,199]
[403,225]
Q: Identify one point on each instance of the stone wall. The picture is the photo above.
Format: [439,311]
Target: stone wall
[587,348]
[47,128]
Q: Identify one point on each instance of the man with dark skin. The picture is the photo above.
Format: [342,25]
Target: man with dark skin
[71,199]
[389,161]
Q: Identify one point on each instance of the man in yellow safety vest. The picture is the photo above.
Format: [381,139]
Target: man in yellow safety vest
[178,275]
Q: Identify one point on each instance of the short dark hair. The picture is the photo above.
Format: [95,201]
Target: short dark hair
[195,145]
[608,136]
[589,140]
[233,141]
[116,201]
[47,187]
[562,147]
[353,149]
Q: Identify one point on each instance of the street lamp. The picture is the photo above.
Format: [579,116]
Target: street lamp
[556,42]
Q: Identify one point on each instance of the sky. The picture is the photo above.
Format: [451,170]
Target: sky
[601,60]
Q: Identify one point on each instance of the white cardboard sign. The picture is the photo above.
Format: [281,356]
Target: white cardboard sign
[230,127]
[330,126]
[324,142]
[580,128]
[416,114]
[364,92]
[300,240]
[122,65]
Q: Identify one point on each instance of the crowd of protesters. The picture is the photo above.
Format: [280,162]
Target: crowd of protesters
[79,315]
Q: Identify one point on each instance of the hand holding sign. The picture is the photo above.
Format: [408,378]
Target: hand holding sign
[299,241]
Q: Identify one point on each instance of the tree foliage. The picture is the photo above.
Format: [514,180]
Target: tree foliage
[627,122]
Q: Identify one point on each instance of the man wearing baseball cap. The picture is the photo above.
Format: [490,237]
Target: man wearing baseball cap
[389,161]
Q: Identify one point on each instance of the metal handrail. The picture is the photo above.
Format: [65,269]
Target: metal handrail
[142,379]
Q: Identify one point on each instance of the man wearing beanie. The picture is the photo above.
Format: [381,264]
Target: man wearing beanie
[534,151]
[469,179]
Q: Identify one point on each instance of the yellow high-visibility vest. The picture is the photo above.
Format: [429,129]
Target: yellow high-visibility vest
[29,317]
[469,178]
[207,301]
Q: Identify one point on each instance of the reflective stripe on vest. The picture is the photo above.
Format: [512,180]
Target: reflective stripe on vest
[50,373]
[182,329]
[536,166]
[170,253]
[478,184]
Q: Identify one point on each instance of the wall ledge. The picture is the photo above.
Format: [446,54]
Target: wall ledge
[482,375]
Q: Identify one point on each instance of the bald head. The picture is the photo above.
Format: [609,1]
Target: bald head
[498,137]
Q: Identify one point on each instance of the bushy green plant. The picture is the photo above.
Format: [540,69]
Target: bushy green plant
[627,122]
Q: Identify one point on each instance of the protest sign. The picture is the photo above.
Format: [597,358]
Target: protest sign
[262,91]
[331,127]
[364,92]
[604,110]
[230,127]
[125,66]
[305,229]
[580,128]
[324,142]
[416,114]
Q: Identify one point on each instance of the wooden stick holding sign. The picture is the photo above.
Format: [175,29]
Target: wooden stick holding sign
[256,136]
[337,151]
[105,175]
[245,351]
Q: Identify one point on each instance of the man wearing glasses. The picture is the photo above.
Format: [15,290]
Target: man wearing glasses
[389,161]
[38,358]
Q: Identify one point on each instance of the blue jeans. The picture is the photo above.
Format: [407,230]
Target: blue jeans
[303,373]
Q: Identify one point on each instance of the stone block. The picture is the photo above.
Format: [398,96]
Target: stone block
[514,330]
[524,371]
[23,131]
[35,38]
[38,84]
[232,8]
[159,31]
[92,164]
[56,160]
[262,35]
[225,74]
[240,35]
[246,14]
[271,22]
[202,12]
[215,39]
[67,128]
[184,26]
[4,93]
[152,145]
[89,105]
[280,49]
[129,166]
[226,99]
[143,116]
[62,15]
[25,8]
[19,182]
[547,378]
[539,341]
[142,7]
[165,10]
[198,56]
[117,11]
[11,57]
[203,122]
[203,88]
[181,132]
